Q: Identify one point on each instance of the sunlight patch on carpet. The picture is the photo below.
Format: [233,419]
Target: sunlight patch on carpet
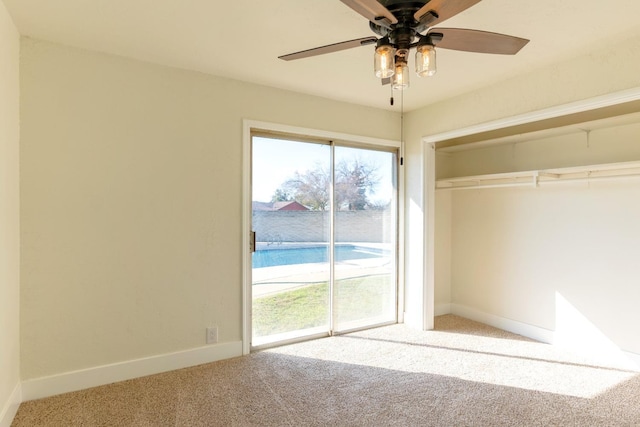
[496,357]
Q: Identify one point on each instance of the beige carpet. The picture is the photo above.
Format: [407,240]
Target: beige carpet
[461,374]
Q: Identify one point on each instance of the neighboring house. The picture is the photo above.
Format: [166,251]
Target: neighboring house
[289,206]
[279,206]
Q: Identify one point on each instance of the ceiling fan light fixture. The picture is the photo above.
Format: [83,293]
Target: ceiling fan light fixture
[384,59]
[426,60]
[400,79]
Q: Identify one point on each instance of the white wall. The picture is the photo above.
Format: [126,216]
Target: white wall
[9,217]
[131,202]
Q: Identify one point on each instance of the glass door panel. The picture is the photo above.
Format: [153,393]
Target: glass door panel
[365,238]
[291,220]
[325,223]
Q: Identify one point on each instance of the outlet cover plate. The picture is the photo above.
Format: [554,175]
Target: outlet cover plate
[212,335]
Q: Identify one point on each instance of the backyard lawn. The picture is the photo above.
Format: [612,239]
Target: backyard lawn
[307,307]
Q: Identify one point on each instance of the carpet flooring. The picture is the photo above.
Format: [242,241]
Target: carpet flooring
[462,373]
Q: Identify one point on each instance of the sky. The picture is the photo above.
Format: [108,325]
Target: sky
[274,161]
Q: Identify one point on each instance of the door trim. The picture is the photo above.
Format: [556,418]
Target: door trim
[250,126]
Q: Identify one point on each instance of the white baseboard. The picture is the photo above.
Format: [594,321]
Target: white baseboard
[442,309]
[412,321]
[100,375]
[634,358]
[10,408]
[534,332]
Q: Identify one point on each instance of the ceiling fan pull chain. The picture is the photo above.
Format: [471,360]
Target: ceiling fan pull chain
[401,127]
[391,98]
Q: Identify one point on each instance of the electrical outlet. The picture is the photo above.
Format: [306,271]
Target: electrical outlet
[212,335]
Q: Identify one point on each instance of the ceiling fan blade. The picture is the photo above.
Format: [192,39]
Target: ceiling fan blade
[436,11]
[329,48]
[373,11]
[478,41]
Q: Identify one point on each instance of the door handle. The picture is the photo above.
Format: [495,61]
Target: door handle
[252,242]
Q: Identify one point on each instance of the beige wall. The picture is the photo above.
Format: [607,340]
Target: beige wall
[561,257]
[131,197]
[575,79]
[442,292]
[131,202]
[9,210]
[577,148]
[584,77]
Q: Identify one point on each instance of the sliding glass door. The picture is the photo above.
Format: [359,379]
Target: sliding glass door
[364,238]
[291,222]
[324,218]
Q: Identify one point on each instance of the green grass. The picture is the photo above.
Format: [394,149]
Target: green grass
[307,307]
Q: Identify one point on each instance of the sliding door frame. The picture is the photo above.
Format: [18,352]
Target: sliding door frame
[251,127]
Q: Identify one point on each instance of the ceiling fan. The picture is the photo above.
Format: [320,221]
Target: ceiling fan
[404,24]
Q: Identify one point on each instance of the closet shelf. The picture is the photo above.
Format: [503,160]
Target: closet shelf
[535,178]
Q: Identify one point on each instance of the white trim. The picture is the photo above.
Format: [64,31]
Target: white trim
[246,236]
[318,133]
[534,332]
[10,409]
[442,309]
[92,377]
[429,200]
[536,178]
[401,240]
[603,101]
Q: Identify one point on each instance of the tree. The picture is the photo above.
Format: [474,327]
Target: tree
[355,181]
[310,188]
[281,196]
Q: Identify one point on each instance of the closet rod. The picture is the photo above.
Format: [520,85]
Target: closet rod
[479,186]
[541,182]
[592,178]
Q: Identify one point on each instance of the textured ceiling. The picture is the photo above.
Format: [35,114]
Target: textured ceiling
[242,39]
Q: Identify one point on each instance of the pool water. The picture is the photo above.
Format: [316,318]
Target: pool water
[313,254]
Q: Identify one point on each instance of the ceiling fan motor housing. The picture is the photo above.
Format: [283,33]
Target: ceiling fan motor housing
[406,32]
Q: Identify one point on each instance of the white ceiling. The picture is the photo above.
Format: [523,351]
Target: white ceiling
[242,39]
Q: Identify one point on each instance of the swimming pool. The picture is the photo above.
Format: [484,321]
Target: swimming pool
[312,254]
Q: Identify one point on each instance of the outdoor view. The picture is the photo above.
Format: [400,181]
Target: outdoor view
[296,190]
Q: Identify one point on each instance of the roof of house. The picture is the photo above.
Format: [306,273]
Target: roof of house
[279,206]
